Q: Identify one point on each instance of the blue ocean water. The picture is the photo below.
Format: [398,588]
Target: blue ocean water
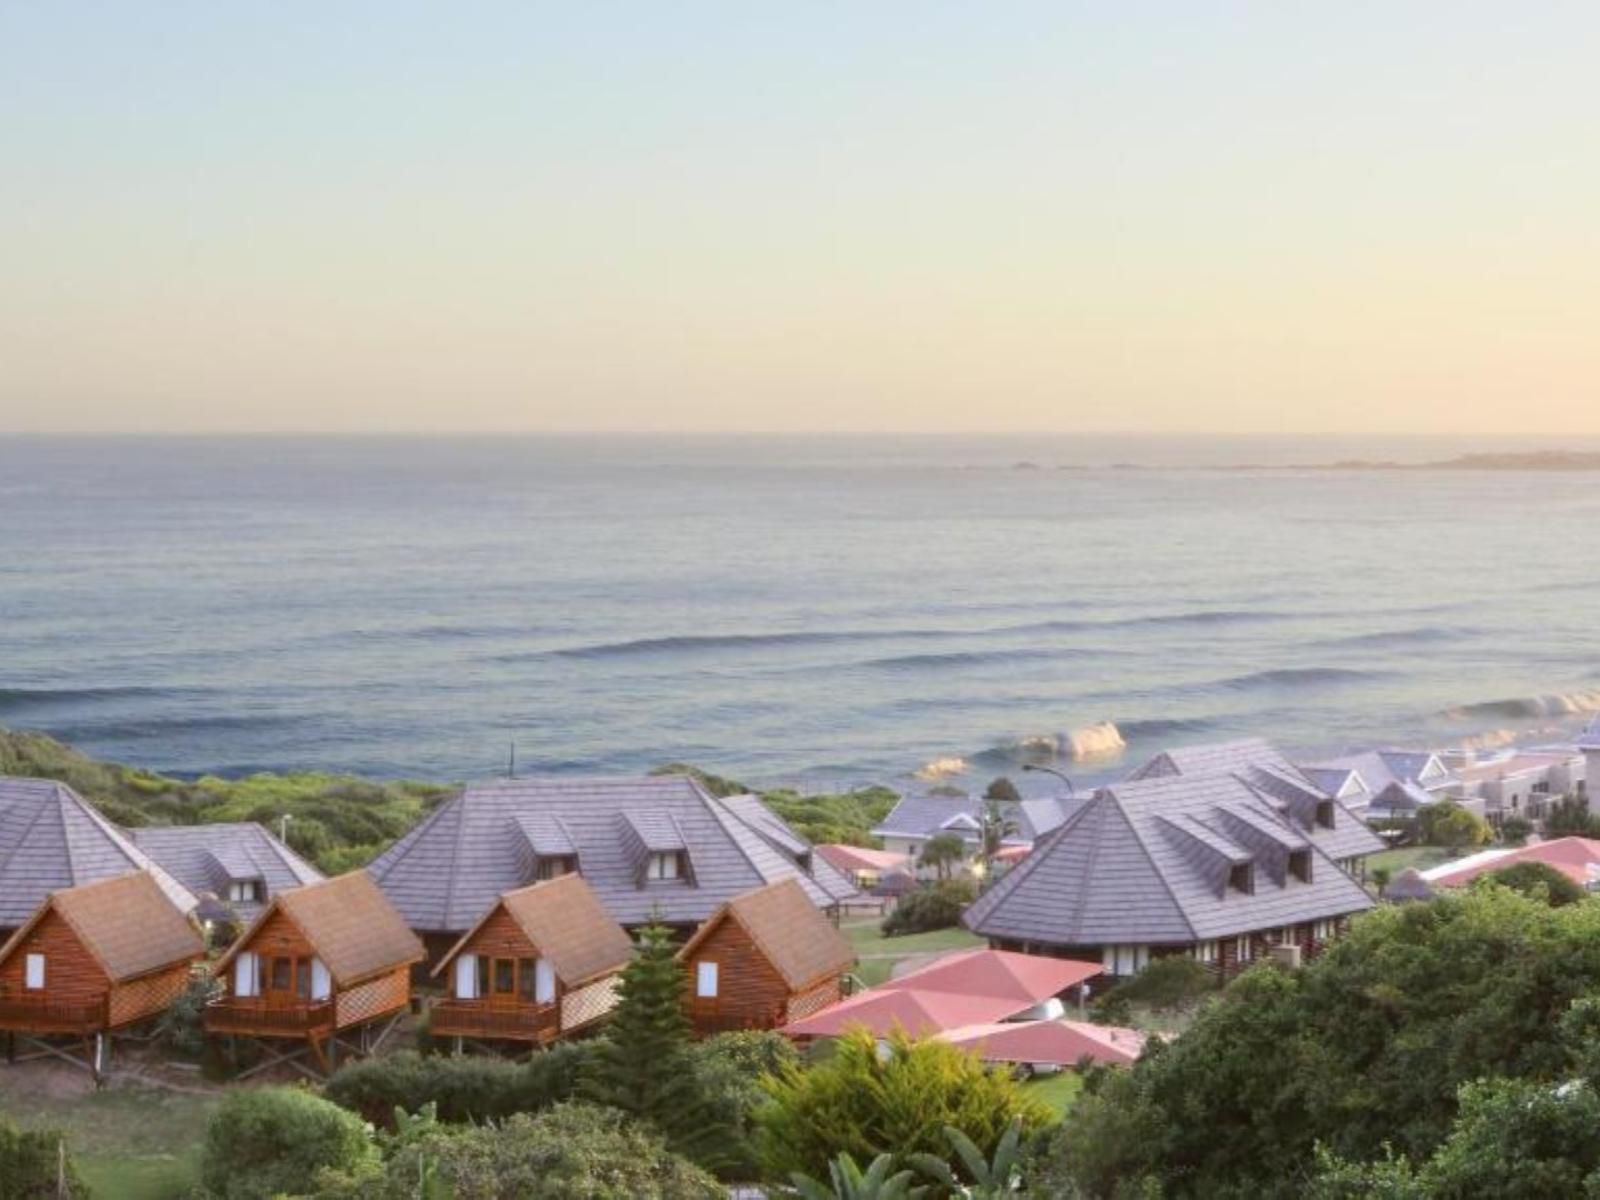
[822,611]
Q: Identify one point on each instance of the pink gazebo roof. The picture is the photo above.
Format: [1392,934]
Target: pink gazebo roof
[1063,1043]
[1572,856]
[859,858]
[974,987]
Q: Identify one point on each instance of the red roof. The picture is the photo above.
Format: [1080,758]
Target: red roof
[973,987]
[1063,1043]
[1572,856]
[859,858]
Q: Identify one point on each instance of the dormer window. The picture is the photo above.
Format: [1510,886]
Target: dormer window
[665,865]
[247,891]
[1325,813]
[1242,878]
[1300,865]
[554,866]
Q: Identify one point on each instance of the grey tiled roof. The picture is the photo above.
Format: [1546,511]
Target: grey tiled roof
[446,872]
[925,816]
[1380,770]
[51,838]
[1147,862]
[207,858]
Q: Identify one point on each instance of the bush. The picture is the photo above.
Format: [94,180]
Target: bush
[1171,983]
[1448,824]
[1536,880]
[1570,815]
[181,1028]
[865,1104]
[267,1142]
[731,1069]
[571,1152]
[32,1166]
[463,1088]
[937,907]
[1514,831]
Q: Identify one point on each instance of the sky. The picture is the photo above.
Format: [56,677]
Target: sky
[888,216]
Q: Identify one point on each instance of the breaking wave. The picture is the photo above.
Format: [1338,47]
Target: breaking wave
[1297,677]
[1100,740]
[17,698]
[1529,708]
[1389,639]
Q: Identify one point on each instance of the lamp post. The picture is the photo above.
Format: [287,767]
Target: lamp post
[283,828]
[1071,791]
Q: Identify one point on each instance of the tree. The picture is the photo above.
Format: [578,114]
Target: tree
[994,829]
[941,852]
[642,1066]
[1449,825]
[1514,831]
[1380,877]
[1366,1045]
[864,1103]
[1002,790]
[34,1165]
[1536,880]
[1570,817]
[992,1178]
[938,906]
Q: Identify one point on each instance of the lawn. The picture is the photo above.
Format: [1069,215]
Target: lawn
[879,954]
[130,1143]
[1059,1091]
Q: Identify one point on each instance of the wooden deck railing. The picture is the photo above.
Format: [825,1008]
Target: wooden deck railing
[26,1015]
[253,1017]
[473,1018]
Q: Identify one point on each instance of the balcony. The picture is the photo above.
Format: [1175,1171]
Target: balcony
[253,1017]
[24,1014]
[476,1019]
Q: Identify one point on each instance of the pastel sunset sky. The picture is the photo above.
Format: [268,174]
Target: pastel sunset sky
[855,216]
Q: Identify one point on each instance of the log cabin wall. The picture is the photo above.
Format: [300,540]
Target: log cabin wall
[147,995]
[278,937]
[750,992]
[71,975]
[374,998]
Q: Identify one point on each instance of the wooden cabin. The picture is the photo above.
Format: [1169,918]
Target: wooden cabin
[316,973]
[541,964]
[90,961]
[764,959]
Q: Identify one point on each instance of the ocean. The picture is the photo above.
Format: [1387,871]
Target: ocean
[814,611]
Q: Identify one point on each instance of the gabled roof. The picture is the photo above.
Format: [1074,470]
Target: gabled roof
[925,816]
[52,839]
[1379,771]
[568,925]
[968,988]
[128,925]
[1147,863]
[861,858]
[802,945]
[1578,858]
[1060,1042]
[351,926]
[447,871]
[207,858]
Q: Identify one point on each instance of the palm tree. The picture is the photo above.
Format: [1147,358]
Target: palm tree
[991,1179]
[994,829]
[848,1182]
[940,852]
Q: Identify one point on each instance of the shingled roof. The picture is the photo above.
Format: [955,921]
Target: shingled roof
[800,943]
[565,920]
[445,873]
[207,858]
[351,926]
[51,839]
[128,924]
[926,816]
[1148,862]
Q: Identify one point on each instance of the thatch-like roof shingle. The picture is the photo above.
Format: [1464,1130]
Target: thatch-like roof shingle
[800,943]
[568,925]
[128,924]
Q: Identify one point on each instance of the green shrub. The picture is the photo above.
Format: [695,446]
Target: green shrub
[937,907]
[1514,831]
[1171,983]
[864,1103]
[181,1028]
[570,1152]
[730,1070]
[464,1088]
[1449,825]
[1536,880]
[263,1143]
[33,1166]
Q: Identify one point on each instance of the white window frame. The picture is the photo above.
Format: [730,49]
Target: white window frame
[707,980]
[466,977]
[247,975]
[544,982]
[1207,951]
[321,980]
[1324,930]
[1244,948]
[665,866]
[1124,961]
[34,969]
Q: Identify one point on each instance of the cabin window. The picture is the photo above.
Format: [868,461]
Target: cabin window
[544,983]
[1242,878]
[1323,931]
[525,980]
[1325,813]
[246,891]
[1243,949]
[247,975]
[35,972]
[467,977]
[281,976]
[505,976]
[1300,865]
[705,980]
[1205,952]
[667,865]
[1284,936]
[485,976]
[554,866]
[321,981]
[1124,960]
[302,980]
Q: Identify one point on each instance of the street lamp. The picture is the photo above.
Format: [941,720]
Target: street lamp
[283,828]
[1071,791]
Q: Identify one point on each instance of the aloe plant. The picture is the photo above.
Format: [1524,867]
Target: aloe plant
[996,1177]
[848,1182]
